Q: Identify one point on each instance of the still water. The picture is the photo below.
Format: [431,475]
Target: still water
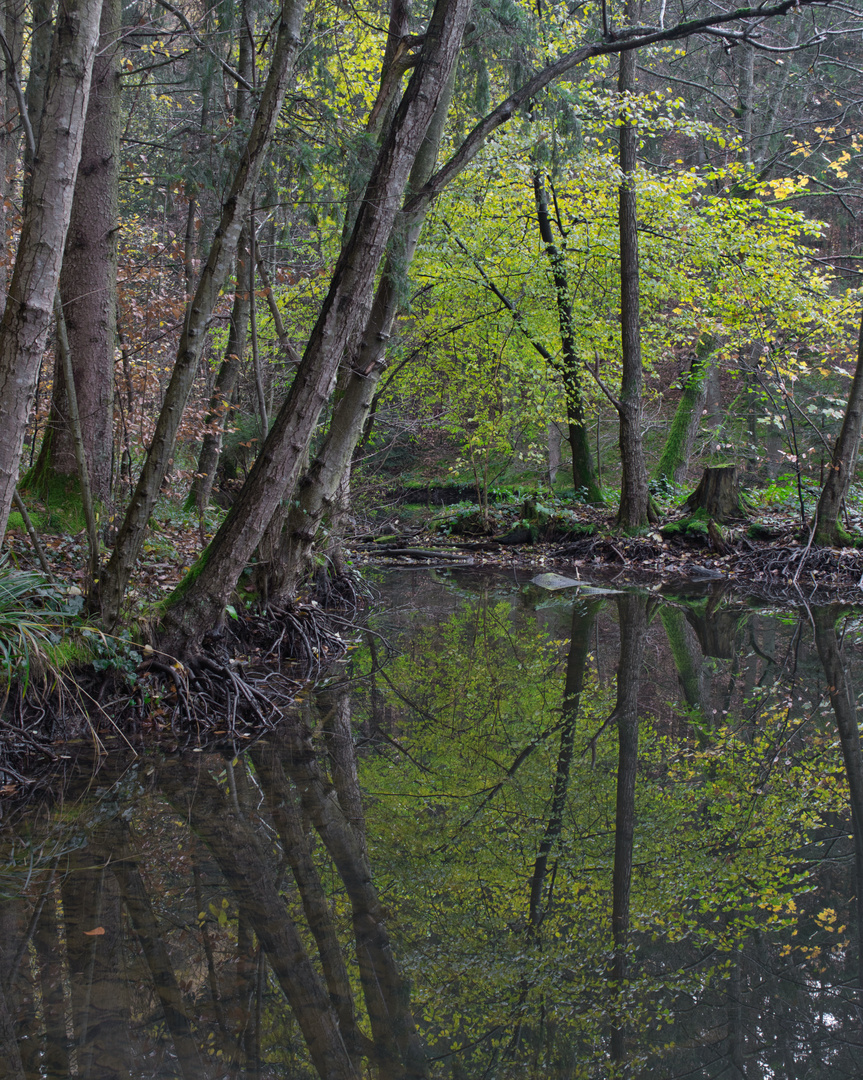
[517,834]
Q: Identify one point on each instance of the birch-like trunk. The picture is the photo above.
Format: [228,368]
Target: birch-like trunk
[30,304]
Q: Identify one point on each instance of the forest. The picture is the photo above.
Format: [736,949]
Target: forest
[430,578]
[278,277]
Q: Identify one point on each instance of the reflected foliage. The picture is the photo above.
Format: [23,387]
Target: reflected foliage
[559,838]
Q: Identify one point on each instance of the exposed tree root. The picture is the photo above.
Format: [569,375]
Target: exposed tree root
[234,689]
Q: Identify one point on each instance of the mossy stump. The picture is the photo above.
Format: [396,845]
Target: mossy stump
[718,495]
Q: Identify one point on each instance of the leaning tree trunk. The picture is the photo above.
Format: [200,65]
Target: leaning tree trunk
[88,282]
[632,615]
[30,304]
[827,529]
[199,601]
[317,491]
[229,371]
[634,493]
[234,215]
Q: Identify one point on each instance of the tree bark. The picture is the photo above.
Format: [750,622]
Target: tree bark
[292,531]
[12,24]
[827,529]
[229,371]
[583,470]
[88,281]
[234,215]
[199,602]
[30,304]
[634,494]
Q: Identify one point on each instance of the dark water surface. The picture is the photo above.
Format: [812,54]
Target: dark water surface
[517,834]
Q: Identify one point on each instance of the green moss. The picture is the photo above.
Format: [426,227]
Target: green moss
[62,498]
[693,527]
[188,580]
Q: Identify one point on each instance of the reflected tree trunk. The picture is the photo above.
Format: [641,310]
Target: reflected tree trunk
[398,1050]
[288,820]
[93,924]
[46,942]
[136,900]
[238,854]
[842,699]
[632,612]
[579,646]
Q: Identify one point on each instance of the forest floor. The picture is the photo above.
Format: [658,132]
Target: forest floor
[776,564]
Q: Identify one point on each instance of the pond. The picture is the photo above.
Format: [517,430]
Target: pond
[518,833]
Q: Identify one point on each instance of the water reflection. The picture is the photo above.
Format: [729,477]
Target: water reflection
[558,836]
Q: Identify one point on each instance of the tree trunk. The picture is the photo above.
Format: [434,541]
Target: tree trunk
[12,24]
[827,529]
[199,602]
[88,282]
[687,417]
[30,305]
[632,613]
[583,619]
[292,530]
[842,697]
[583,471]
[229,371]
[634,493]
[219,407]
[234,215]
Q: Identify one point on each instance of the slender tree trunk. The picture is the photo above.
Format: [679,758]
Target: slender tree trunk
[632,611]
[88,281]
[30,305]
[583,471]
[229,371]
[226,381]
[842,698]
[634,494]
[827,528]
[199,602]
[199,312]
[12,24]
[579,647]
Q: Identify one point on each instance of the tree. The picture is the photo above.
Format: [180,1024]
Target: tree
[233,218]
[88,282]
[200,599]
[30,304]
[826,528]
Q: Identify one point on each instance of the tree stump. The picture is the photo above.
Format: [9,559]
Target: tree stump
[718,494]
